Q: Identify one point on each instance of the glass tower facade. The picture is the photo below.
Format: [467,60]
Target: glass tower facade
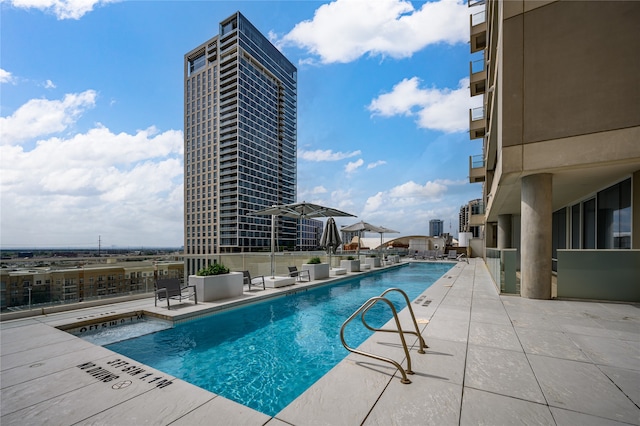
[240,143]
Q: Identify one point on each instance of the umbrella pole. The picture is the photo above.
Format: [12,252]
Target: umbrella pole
[273,244]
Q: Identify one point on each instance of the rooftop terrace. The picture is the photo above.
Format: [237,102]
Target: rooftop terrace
[491,360]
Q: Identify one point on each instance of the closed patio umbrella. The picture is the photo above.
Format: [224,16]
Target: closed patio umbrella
[330,238]
[295,210]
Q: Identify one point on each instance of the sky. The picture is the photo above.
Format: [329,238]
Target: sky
[91,113]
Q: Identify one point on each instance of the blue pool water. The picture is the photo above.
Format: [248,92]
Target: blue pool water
[266,354]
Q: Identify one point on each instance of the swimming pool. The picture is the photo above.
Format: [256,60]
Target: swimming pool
[266,354]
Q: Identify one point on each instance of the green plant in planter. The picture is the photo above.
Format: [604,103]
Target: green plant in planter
[213,269]
[314,261]
[351,258]
[373,255]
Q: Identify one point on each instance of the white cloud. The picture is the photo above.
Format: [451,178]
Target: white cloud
[405,195]
[41,117]
[6,77]
[62,9]
[376,164]
[352,166]
[445,110]
[49,85]
[125,187]
[344,30]
[326,155]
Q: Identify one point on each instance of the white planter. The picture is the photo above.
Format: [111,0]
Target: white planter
[350,265]
[216,287]
[373,261]
[317,271]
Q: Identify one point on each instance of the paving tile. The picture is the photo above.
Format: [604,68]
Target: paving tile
[503,372]
[572,418]
[627,380]
[494,335]
[490,315]
[41,365]
[486,408]
[549,343]
[326,403]
[582,387]
[222,411]
[441,328]
[158,406]
[51,350]
[426,402]
[443,360]
[611,352]
[39,335]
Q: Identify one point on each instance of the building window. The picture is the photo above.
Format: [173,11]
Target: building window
[589,224]
[614,216]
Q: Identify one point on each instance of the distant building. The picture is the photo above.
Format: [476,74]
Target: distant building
[240,141]
[436,227]
[47,285]
[471,218]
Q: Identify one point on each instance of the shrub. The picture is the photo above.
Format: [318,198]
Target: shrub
[314,261]
[213,269]
[351,258]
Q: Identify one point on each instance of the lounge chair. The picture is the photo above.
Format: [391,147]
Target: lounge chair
[249,280]
[172,288]
[293,272]
[453,255]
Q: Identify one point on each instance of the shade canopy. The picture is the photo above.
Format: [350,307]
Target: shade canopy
[363,226]
[303,209]
[366,227]
[295,210]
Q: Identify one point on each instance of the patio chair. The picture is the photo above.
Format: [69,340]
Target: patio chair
[293,272]
[172,288]
[453,255]
[249,280]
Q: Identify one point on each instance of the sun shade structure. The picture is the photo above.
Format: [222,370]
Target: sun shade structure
[362,226]
[330,238]
[296,210]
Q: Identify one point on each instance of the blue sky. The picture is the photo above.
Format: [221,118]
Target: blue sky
[92,103]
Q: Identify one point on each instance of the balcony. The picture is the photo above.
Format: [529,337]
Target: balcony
[476,169]
[478,77]
[476,218]
[477,123]
[478,31]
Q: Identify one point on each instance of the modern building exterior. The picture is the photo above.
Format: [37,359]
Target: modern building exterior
[436,227]
[240,139]
[86,281]
[560,133]
[471,218]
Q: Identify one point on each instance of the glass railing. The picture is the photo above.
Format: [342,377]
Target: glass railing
[502,267]
[477,66]
[477,113]
[477,161]
[479,17]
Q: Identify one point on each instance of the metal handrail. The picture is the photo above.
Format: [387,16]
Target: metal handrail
[365,308]
[423,344]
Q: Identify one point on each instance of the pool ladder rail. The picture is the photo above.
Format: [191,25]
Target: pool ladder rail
[364,309]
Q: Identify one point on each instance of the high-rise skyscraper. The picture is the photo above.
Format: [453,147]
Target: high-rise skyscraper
[436,227]
[240,137]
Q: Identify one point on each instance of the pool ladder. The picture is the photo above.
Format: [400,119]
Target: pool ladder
[364,309]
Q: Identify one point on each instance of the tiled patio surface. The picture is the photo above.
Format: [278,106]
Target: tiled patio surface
[494,360]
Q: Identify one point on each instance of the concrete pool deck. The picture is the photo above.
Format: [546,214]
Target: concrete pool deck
[492,359]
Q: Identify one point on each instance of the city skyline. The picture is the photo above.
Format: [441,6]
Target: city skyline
[91,131]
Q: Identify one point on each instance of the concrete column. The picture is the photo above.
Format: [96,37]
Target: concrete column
[536,236]
[504,231]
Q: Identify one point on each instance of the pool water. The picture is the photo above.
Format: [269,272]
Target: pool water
[264,355]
